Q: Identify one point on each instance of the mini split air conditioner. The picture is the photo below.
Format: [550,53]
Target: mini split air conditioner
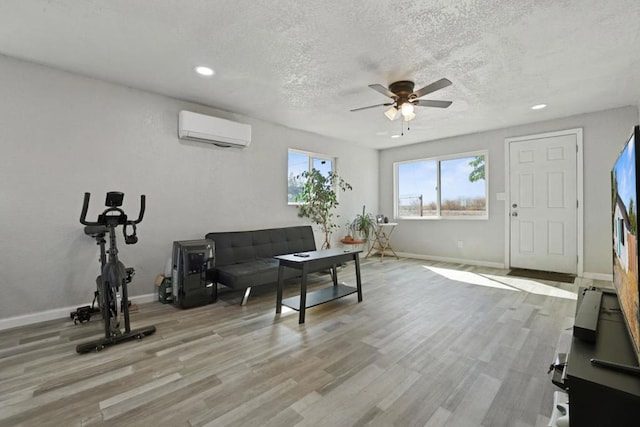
[214,130]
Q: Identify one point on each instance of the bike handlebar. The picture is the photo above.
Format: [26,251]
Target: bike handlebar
[85,208]
[143,200]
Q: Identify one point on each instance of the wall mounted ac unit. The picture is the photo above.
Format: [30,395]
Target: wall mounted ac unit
[214,130]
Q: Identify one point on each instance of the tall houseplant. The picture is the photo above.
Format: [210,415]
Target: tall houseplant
[318,198]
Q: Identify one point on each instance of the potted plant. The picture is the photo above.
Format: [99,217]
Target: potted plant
[319,198]
[363,224]
[348,237]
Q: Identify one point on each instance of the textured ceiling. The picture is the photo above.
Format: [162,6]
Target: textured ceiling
[305,64]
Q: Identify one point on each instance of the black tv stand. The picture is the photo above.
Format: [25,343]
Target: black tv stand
[599,396]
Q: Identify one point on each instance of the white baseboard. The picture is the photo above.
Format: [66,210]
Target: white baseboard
[59,313]
[453,260]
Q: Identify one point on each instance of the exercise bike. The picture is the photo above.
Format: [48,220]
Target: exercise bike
[113,273]
[83,314]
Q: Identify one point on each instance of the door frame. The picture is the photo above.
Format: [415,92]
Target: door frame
[579,192]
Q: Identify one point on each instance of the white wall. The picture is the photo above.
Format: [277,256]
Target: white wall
[62,134]
[605,134]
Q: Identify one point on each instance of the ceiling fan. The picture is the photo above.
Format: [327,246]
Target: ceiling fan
[404,98]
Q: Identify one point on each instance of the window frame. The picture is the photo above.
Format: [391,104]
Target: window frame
[311,157]
[438,160]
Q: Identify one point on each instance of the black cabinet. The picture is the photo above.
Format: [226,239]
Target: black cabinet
[600,396]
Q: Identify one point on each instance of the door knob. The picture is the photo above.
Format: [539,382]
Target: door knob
[515,205]
[514,214]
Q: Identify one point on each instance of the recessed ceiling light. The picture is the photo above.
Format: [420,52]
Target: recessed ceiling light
[204,71]
[539,106]
[395,136]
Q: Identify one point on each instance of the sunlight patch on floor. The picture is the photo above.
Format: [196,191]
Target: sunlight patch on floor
[468,277]
[536,287]
[502,282]
[286,310]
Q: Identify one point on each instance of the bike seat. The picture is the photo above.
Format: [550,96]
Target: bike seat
[95,230]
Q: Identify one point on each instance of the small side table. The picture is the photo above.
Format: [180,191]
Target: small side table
[382,239]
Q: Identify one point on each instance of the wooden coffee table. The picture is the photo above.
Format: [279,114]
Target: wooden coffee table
[309,262]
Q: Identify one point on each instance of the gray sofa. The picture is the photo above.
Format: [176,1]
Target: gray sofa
[244,259]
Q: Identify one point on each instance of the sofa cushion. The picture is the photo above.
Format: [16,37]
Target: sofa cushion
[251,273]
[240,246]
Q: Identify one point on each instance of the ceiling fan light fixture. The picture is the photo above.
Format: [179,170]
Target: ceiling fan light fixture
[407,110]
[391,113]
[409,117]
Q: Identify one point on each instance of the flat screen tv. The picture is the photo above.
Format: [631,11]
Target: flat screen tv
[624,194]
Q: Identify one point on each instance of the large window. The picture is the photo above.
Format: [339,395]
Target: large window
[445,187]
[300,161]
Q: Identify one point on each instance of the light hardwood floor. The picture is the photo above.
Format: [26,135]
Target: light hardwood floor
[432,344]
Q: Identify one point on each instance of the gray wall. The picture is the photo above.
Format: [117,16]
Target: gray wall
[62,134]
[604,135]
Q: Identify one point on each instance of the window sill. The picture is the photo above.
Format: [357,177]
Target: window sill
[444,218]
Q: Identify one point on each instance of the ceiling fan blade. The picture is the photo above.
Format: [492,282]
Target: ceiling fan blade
[440,84]
[383,90]
[430,103]
[373,106]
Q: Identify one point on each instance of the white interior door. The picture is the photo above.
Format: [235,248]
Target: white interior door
[544,203]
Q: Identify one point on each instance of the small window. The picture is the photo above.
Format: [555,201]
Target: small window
[300,161]
[448,187]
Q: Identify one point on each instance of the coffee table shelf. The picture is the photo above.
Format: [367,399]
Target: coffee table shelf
[320,296]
